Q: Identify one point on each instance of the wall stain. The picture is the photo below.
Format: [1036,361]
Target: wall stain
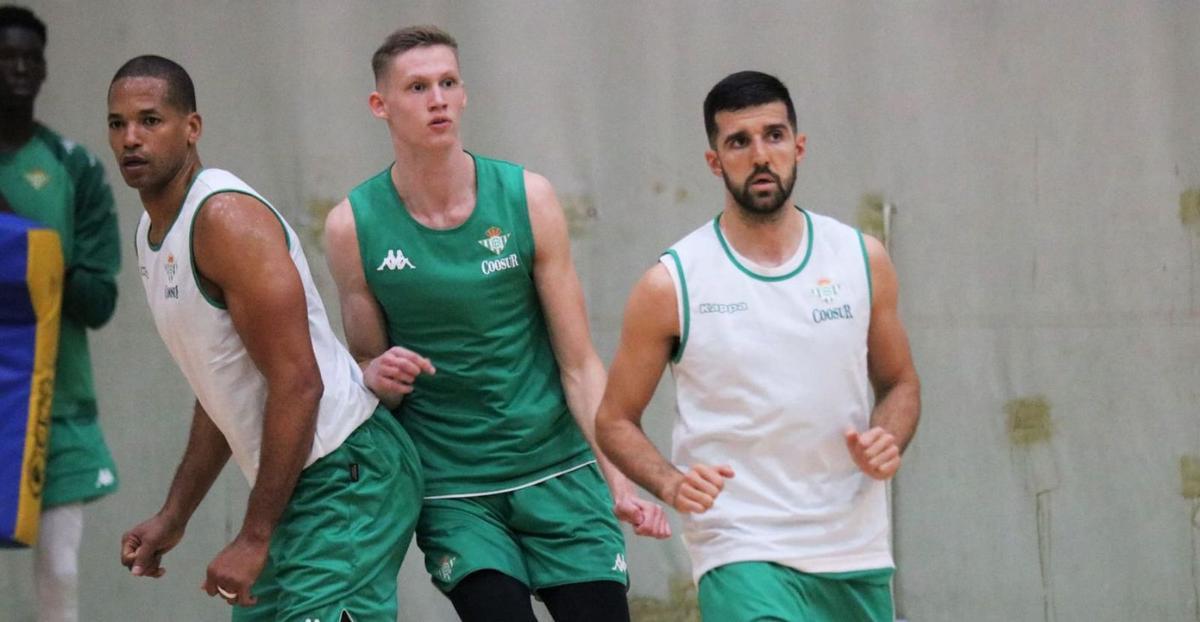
[1189,475]
[1189,209]
[658,187]
[1028,420]
[312,222]
[1030,431]
[679,606]
[869,215]
[681,194]
[580,211]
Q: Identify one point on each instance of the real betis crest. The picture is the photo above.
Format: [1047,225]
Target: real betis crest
[37,178]
[826,290]
[495,240]
[171,267]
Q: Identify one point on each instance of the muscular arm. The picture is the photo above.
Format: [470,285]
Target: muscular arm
[582,372]
[242,257]
[889,359]
[890,367]
[207,452]
[205,456]
[389,372]
[648,334]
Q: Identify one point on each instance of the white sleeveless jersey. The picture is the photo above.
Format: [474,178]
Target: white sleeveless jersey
[200,335]
[771,369]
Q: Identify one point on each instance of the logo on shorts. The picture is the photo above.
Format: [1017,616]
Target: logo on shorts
[495,240]
[105,478]
[619,565]
[446,569]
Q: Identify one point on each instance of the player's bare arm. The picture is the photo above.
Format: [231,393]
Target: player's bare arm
[388,371]
[242,260]
[143,547]
[648,336]
[890,366]
[583,377]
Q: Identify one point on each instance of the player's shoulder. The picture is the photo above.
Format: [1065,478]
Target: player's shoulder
[73,156]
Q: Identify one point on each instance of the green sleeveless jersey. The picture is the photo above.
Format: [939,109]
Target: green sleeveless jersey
[494,417]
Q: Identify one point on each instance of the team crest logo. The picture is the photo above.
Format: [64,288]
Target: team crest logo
[826,290]
[171,268]
[446,568]
[495,240]
[37,178]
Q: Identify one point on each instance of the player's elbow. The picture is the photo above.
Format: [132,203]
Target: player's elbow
[305,386]
[609,426]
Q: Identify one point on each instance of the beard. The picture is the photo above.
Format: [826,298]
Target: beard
[758,205]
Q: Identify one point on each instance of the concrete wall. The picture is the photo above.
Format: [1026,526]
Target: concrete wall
[1037,154]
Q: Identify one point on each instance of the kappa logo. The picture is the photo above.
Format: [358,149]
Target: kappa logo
[495,240]
[619,564]
[395,260]
[144,271]
[717,307]
[37,178]
[105,478]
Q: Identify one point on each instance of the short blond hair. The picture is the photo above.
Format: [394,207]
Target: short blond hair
[406,39]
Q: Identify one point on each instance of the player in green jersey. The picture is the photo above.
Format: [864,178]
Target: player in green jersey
[55,181]
[460,300]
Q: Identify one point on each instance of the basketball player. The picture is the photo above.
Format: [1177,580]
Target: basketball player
[335,480]
[56,182]
[777,323]
[452,262]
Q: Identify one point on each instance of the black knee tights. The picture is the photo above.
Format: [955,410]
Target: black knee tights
[594,601]
[492,596]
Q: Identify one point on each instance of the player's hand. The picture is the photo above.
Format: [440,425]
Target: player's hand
[647,518]
[391,374]
[699,487]
[234,571]
[874,451]
[143,547]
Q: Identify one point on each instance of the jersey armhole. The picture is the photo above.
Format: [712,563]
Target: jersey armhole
[192,238]
[862,244]
[675,269]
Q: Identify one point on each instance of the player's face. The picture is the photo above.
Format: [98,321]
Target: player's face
[422,97]
[756,154]
[149,136]
[22,66]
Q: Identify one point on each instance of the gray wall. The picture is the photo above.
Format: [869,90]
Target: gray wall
[1037,154]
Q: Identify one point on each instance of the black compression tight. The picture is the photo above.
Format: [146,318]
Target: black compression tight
[492,596]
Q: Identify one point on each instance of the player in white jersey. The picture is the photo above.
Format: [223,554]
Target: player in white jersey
[777,324]
[335,481]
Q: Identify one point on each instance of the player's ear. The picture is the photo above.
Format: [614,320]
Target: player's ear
[714,162]
[195,127]
[375,101]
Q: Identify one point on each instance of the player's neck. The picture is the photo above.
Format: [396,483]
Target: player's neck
[435,184]
[164,202]
[768,241]
[16,128]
